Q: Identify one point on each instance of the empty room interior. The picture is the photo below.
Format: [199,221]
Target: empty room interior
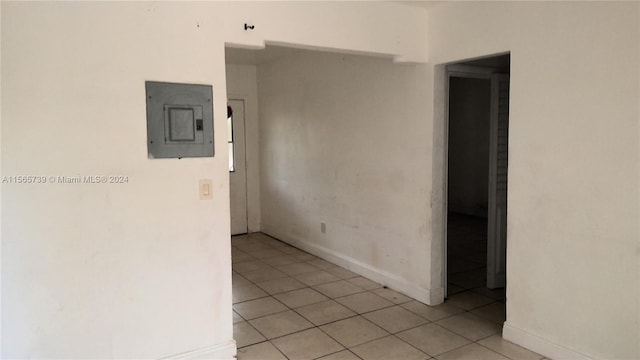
[320,180]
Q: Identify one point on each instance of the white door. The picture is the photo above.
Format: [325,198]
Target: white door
[498,163]
[237,167]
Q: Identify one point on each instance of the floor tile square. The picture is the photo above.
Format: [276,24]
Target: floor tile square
[341,272]
[472,352]
[433,339]
[321,264]
[496,294]
[264,254]
[301,297]
[261,351]
[280,260]
[297,268]
[280,285]
[245,334]
[250,266]
[389,347]
[259,307]
[495,312]
[282,246]
[273,243]
[395,319]
[290,250]
[249,292]
[364,283]
[306,257]
[280,324]
[432,313]
[470,326]
[240,256]
[238,280]
[354,331]
[468,300]
[264,275]
[250,245]
[392,295]
[307,344]
[340,355]
[325,312]
[237,318]
[338,289]
[364,302]
[508,349]
[316,277]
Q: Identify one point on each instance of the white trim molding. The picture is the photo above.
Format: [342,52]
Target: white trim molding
[540,345]
[226,351]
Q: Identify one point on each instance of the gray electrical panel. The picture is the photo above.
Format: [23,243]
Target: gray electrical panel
[179,120]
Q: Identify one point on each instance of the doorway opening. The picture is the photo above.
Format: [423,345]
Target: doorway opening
[476,161]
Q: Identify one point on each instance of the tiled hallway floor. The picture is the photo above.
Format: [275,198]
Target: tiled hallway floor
[289,304]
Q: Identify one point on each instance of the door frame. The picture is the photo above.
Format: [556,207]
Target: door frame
[440,171]
[244,135]
[454,71]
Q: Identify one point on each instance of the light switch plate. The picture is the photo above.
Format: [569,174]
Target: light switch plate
[206,189]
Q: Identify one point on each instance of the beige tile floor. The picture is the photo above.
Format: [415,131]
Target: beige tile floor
[289,304]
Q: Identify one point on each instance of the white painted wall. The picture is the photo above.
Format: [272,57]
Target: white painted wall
[136,270]
[242,83]
[343,140]
[356,26]
[573,166]
[140,270]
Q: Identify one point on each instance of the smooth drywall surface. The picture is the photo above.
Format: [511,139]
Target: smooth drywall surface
[469,113]
[140,269]
[572,277]
[344,141]
[242,83]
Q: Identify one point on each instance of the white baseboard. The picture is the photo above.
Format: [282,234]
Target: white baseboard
[430,297]
[540,345]
[226,351]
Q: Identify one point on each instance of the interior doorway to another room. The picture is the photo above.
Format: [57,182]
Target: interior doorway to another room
[476,176]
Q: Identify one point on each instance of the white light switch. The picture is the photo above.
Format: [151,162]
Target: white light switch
[206,189]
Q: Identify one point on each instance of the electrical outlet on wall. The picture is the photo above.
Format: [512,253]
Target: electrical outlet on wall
[323,227]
